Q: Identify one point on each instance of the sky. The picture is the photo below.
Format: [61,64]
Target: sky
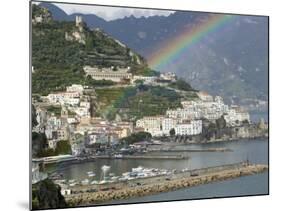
[110,13]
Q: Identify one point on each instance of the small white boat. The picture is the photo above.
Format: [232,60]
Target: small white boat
[102,182]
[138,169]
[91,175]
[85,182]
[72,184]
[115,178]
[118,156]
[94,182]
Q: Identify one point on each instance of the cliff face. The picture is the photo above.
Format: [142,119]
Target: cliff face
[46,195]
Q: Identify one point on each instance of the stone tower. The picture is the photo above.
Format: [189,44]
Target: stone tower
[78,20]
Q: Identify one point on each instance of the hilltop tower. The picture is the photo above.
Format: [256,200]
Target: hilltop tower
[78,20]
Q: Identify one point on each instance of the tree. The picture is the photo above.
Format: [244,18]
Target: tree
[181,85]
[172,132]
[221,123]
[114,68]
[136,137]
[245,122]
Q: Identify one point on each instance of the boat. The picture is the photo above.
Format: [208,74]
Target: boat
[85,182]
[91,175]
[94,182]
[102,182]
[126,174]
[115,178]
[111,174]
[138,169]
[72,184]
[118,156]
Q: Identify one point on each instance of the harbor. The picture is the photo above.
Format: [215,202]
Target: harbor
[86,180]
[94,194]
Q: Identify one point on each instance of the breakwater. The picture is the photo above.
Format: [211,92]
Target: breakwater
[170,149]
[149,157]
[163,184]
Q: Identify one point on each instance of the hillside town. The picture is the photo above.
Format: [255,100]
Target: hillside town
[75,123]
[70,115]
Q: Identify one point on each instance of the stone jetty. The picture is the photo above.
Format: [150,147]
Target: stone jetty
[197,177]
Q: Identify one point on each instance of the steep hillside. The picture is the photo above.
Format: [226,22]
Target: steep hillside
[232,62]
[61,49]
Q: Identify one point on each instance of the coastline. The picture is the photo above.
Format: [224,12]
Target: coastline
[205,176]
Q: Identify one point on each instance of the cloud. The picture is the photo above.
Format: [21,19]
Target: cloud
[111,13]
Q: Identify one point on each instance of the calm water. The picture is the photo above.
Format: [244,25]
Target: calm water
[243,186]
[254,150]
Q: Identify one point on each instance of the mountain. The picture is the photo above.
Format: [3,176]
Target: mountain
[60,50]
[232,62]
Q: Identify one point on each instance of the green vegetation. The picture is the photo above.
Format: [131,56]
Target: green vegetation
[133,103]
[137,137]
[145,71]
[63,148]
[181,84]
[172,132]
[54,109]
[46,195]
[39,144]
[59,62]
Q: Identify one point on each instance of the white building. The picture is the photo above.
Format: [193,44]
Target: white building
[108,74]
[75,88]
[82,111]
[151,124]
[85,104]
[235,117]
[189,128]
[62,97]
[169,76]
[168,124]
[145,79]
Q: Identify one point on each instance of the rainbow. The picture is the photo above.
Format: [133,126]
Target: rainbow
[172,49]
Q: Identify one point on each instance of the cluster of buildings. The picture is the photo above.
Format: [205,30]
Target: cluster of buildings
[188,119]
[101,131]
[73,107]
[73,99]
[162,126]
[75,119]
[123,75]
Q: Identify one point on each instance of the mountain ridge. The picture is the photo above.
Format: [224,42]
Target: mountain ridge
[233,64]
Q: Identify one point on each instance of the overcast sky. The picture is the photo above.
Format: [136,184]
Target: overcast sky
[110,13]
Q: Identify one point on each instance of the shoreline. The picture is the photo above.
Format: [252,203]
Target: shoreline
[91,159]
[201,176]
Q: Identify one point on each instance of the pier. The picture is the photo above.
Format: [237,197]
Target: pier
[190,150]
[95,194]
[146,157]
